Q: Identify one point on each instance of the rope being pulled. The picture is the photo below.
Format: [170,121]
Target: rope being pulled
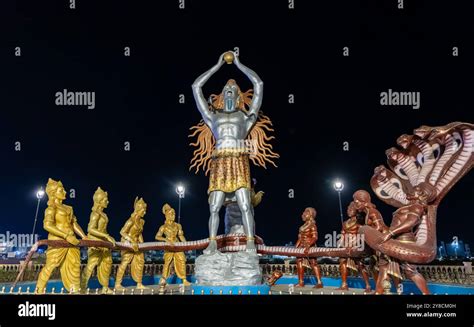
[226,243]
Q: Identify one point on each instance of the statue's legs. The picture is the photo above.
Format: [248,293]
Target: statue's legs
[136,269]
[104,269]
[383,275]
[69,263]
[180,267]
[126,259]
[87,273]
[316,272]
[168,257]
[45,274]
[216,199]
[416,277]
[365,275]
[245,205]
[300,270]
[373,267]
[343,271]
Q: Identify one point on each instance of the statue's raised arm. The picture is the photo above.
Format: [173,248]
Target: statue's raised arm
[201,102]
[256,103]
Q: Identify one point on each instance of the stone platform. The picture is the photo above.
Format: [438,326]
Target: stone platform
[228,269]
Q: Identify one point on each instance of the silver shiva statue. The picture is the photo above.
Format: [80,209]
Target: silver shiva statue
[230,123]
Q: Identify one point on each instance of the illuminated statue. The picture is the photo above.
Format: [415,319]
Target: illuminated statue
[132,234]
[350,228]
[422,170]
[61,224]
[228,136]
[362,203]
[97,230]
[307,237]
[173,232]
[233,215]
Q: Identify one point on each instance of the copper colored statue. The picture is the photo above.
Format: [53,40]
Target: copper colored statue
[423,169]
[349,231]
[373,218]
[307,237]
[276,275]
[404,221]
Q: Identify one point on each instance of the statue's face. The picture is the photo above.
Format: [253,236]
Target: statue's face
[60,193]
[307,214]
[359,204]
[231,95]
[170,215]
[351,210]
[141,210]
[104,203]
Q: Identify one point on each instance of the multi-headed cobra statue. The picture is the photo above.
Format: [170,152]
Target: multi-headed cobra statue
[422,170]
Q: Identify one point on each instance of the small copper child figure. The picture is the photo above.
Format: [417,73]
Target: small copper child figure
[307,237]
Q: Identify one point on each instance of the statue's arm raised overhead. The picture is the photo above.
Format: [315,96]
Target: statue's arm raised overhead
[257,91]
[201,102]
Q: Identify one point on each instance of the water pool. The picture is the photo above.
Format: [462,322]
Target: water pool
[354,283]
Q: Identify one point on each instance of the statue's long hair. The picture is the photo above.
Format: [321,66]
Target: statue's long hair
[262,151]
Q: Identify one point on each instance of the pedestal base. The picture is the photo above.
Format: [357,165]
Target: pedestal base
[228,269]
[230,290]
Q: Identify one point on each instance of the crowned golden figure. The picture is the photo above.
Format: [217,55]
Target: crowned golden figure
[61,224]
[132,234]
[172,232]
[97,230]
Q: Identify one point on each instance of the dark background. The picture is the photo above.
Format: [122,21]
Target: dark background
[298,52]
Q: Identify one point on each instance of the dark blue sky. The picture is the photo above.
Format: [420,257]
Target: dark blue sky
[336,100]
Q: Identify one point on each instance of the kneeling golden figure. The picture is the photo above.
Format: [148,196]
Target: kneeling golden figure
[61,223]
[132,233]
[172,232]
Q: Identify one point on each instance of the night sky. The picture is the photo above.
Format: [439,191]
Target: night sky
[294,52]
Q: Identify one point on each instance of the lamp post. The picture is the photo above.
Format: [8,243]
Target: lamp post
[39,196]
[339,186]
[180,190]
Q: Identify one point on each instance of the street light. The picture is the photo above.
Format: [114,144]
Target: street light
[39,196]
[339,186]
[180,190]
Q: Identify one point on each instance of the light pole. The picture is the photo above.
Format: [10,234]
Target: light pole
[339,186]
[180,190]
[39,196]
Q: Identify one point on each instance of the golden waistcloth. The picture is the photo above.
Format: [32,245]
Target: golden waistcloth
[230,170]
[102,259]
[68,260]
[137,263]
[179,260]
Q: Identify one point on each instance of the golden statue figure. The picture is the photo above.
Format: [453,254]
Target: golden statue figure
[61,224]
[172,232]
[97,230]
[132,233]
